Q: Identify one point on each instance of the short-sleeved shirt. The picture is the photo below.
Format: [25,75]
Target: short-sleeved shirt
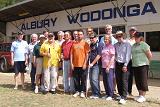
[19,49]
[55,52]
[107,53]
[36,50]
[66,49]
[95,49]
[79,51]
[139,57]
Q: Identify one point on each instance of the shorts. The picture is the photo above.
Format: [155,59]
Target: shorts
[39,64]
[19,66]
[141,76]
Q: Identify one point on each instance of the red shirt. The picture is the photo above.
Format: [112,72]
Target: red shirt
[66,49]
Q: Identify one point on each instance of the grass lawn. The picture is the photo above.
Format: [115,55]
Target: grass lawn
[26,98]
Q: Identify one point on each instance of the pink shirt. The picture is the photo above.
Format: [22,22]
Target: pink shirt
[107,53]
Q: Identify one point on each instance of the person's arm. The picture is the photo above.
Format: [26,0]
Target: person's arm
[86,47]
[148,54]
[128,57]
[71,58]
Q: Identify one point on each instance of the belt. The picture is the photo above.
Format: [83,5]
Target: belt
[66,59]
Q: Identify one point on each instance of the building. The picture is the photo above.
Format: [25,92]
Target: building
[34,16]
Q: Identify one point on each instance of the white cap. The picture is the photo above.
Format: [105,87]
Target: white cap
[119,33]
[41,36]
[108,26]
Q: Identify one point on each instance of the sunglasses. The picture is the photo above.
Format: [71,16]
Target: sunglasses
[118,36]
[92,38]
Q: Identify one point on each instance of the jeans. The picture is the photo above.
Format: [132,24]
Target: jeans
[67,79]
[50,78]
[79,76]
[32,75]
[108,81]
[94,80]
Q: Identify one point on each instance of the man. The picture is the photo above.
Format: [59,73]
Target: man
[66,49]
[122,57]
[94,57]
[75,35]
[34,38]
[131,40]
[19,50]
[108,29]
[38,62]
[51,51]
[79,56]
[45,33]
[60,35]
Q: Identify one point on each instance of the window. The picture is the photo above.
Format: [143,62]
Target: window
[153,38]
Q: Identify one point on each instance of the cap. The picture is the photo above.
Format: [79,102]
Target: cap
[60,33]
[133,28]
[93,35]
[138,34]
[50,35]
[41,36]
[119,33]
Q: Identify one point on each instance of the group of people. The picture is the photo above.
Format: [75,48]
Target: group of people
[115,57]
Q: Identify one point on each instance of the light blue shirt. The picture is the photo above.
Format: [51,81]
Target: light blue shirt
[123,52]
[19,49]
[30,50]
[113,40]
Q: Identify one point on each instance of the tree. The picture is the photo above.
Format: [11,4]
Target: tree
[4,3]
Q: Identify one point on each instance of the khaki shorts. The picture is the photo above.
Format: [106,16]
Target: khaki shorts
[39,68]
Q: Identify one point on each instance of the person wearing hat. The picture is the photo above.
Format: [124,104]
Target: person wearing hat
[94,58]
[51,52]
[131,40]
[38,61]
[141,56]
[19,58]
[122,58]
[34,38]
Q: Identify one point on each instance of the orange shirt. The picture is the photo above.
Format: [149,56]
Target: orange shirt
[79,52]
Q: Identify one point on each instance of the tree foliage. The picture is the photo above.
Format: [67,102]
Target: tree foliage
[4,3]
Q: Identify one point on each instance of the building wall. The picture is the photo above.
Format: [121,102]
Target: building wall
[144,14]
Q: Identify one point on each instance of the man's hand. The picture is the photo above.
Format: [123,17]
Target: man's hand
[124,69]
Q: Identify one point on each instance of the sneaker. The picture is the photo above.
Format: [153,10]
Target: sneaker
[16,87]
[93,97]
[118,98]
[104,97]
[76,94]
[122,101]
[36,90]
[109,98]
[45,92]
[141,99]
[82,95]
[53,92]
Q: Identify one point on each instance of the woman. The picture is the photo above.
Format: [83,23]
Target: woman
[108,57]
[141,56]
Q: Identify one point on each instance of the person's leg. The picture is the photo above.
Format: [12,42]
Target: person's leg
[95,81]
[22,80]
[16,70]
[130,78]
[83,80]
[46,79]
[76,79]
[66,70]
[32,75]
[110,82]
[124,84]
[105,80]
[53,78]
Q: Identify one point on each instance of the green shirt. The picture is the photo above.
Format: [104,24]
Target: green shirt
[36,50]
[139,57]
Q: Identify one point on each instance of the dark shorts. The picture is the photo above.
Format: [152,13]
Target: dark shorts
[141,76]
[19,66]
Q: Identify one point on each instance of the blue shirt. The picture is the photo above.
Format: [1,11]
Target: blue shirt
[113,40]
[123,52]
[95,49]
[19,49]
